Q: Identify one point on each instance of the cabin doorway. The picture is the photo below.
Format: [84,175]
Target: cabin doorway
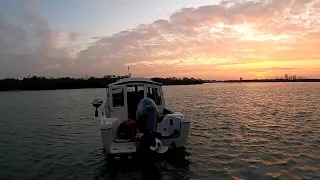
[134,95]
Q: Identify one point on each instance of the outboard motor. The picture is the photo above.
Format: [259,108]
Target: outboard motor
[150,145]
[146,120]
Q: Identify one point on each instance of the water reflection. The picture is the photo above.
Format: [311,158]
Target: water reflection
[134,168]
[244,131]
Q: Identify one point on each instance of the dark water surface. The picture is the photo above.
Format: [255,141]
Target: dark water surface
[238,131]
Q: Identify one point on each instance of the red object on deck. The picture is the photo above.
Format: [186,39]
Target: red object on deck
[128,130]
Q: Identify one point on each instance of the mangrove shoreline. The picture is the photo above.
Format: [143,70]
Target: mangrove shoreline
[43,83]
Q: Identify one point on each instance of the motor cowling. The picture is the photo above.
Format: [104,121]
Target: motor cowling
[147,115]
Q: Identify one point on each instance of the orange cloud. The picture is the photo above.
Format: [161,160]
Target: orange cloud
[233,37]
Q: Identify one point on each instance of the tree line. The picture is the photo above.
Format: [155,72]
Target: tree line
[284,78]
[289,77]
[43,83]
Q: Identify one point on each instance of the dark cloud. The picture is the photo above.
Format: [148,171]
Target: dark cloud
[11,37]
[33,49]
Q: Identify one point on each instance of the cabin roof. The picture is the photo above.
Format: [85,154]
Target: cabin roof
[134,80]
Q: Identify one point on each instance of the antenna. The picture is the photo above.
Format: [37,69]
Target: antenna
[129,72]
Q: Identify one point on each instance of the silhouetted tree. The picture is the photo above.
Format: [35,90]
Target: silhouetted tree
[42,83]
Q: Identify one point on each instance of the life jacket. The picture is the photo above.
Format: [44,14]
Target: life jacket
[127,129]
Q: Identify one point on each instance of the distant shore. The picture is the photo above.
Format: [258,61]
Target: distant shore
[42,83]
[261,80]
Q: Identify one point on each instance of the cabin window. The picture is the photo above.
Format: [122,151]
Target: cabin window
[130,88]
[158,96]
[150,93]
[154,94]
[140,90]
[117,97]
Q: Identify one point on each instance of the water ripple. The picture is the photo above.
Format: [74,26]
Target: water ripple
[238,131]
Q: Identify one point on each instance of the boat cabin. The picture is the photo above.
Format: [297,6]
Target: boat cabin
[124,96]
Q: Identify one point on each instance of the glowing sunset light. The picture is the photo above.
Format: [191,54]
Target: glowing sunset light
[223,40]
[260,74]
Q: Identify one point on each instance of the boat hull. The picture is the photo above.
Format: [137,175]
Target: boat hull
[114,146]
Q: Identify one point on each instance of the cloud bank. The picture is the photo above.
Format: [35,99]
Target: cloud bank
[227,40]
[34,49]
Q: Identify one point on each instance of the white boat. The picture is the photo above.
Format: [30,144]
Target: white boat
[121,104]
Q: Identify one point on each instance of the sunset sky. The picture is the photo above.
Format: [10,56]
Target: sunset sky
[192,38]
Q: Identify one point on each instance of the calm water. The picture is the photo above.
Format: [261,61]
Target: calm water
[238,131]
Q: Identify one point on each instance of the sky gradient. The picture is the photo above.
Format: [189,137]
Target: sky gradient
[193,38]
